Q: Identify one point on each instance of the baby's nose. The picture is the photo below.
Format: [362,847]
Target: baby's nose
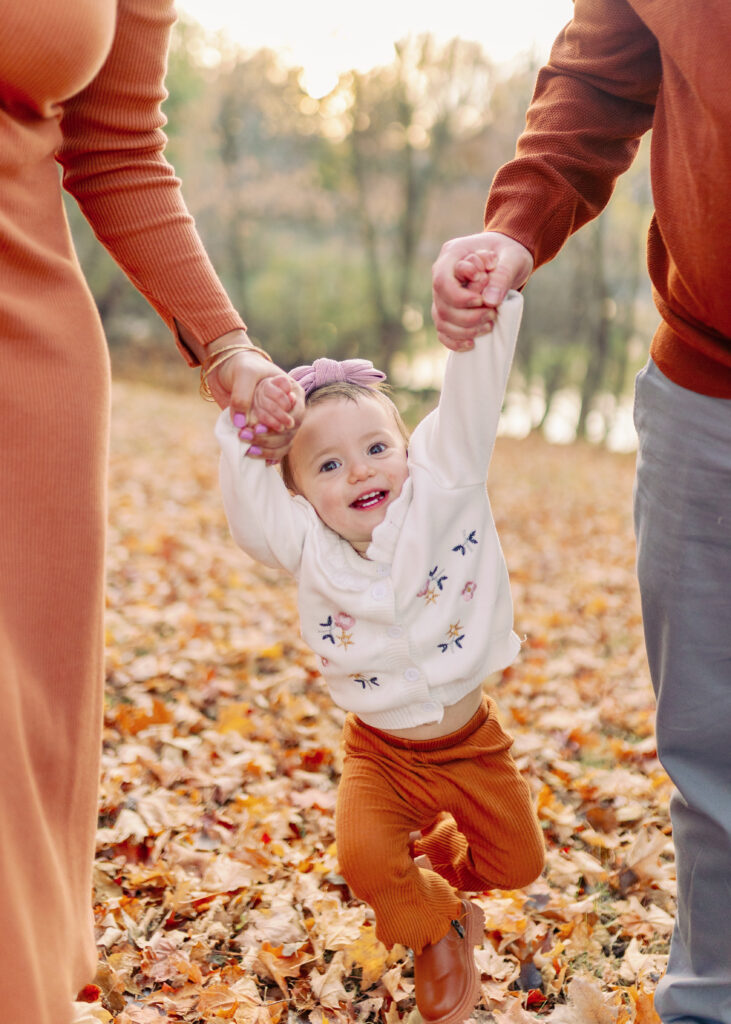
[360,470]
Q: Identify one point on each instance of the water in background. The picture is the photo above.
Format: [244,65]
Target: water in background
[609,422]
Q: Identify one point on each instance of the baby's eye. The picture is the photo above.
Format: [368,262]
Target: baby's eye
[377,448]
[329,466]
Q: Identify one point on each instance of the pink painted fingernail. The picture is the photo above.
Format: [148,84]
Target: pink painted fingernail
[246,435]
[239,419]
[253,450]
[261,429]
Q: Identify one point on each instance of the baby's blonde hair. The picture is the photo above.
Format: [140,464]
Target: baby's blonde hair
[353,393]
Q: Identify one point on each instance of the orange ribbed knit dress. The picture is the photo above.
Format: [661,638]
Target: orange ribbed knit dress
[80,83]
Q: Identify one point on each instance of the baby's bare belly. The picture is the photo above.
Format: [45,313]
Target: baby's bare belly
[455,716]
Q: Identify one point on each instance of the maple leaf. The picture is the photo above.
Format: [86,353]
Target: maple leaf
[586,1005]
[328,987]
[644,1006]
[515,1014]
[645,922]
[90,1013]
[280,967]
[218,1000]
[397,987]
[642,861]
[368,953]
[164,960]
[499,968]
[337,926]
[140,1015]
[636,965]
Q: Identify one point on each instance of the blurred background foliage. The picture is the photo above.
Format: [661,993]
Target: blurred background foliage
[323,217]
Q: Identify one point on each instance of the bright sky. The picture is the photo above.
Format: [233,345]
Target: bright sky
[328,36]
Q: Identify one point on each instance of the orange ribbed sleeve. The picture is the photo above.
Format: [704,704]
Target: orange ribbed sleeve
[114,166]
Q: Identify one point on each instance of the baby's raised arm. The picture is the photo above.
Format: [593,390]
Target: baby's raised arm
[456,439]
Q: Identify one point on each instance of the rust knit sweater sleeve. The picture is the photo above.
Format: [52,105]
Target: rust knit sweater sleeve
[113,164]
[619,68]
[592,102]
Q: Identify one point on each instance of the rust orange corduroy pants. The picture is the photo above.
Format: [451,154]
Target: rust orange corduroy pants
[464,793]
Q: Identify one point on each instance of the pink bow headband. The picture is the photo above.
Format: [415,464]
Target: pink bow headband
[329,371]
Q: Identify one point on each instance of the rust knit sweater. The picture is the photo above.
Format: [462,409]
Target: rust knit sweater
[619,68]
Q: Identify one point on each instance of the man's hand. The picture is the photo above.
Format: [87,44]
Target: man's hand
[470,278]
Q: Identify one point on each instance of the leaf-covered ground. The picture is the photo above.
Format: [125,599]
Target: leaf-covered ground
[217,893]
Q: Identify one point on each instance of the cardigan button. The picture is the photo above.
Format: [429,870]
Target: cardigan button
[379,591]
[412,674]
[395,632]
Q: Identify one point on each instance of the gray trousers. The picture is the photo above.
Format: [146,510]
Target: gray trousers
[683,528]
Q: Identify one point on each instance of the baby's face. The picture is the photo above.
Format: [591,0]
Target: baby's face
[349,460]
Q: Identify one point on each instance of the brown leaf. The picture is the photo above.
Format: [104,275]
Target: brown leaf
[281,967]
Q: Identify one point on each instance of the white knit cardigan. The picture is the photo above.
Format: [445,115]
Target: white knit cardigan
[427,614]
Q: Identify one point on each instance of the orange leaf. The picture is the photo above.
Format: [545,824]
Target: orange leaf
[89,994]
[644,1003]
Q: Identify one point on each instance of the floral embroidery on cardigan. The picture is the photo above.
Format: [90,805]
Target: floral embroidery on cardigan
[468,590]
[467,540]
[455,636]
[434,584]
[366,682]
[338,629]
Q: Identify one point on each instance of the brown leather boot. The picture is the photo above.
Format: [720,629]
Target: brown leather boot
[445,976]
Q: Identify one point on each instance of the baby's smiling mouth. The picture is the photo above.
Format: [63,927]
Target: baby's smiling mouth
[369,500]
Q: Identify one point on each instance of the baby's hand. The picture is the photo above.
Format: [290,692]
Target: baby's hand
[274,398]
[270,423]
[473,270]
[473,273]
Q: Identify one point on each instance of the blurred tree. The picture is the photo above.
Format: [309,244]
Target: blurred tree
[579,328]
[255,127]
[323,217]
[401,125]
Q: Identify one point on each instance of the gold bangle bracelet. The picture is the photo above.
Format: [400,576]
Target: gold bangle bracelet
[218,359]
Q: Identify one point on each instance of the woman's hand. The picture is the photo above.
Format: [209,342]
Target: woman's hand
[273,401]
[273,414]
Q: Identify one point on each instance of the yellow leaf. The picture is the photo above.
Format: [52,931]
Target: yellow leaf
[644,1005]
[368,953]
[236,718]
[273,652]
